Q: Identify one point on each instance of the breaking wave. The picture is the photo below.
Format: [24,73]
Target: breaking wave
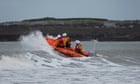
[37,53]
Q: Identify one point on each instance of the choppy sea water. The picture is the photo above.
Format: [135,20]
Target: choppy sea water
[32,61]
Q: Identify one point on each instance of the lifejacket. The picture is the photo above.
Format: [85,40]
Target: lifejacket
[78,48]
[59,42]
[66,41]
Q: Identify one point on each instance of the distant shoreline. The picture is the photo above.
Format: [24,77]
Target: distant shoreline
[77,28]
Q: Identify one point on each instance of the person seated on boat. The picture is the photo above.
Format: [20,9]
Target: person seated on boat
[66,40]
[59,42]
[78,47]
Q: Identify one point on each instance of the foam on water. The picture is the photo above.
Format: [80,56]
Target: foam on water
[27,61]
[41,65]
[36,41]
[17,62]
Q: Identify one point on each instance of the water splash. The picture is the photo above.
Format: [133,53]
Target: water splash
[41,54]
[15,62]
[36,41]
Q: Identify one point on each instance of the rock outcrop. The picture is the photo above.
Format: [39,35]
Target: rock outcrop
[77,28]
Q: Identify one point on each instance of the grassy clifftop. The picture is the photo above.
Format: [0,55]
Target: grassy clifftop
[67,19]
[77,28]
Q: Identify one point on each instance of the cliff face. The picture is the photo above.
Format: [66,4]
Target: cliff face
[77,28]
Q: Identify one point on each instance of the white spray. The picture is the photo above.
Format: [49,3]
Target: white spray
[36,41]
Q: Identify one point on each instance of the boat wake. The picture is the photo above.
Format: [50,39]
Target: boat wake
[37,53]
[39,63]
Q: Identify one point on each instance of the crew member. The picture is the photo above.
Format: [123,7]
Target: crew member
[66,40]
[78,47]
[59,42]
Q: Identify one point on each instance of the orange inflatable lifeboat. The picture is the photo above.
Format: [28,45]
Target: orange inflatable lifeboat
[67,52]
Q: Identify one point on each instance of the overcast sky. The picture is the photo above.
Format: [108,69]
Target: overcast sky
[14,10]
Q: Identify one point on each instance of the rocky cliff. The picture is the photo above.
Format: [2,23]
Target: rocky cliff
[77,28]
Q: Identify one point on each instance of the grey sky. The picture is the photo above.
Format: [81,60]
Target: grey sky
[12,10]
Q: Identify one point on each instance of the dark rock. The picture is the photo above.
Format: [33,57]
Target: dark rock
[77,28]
